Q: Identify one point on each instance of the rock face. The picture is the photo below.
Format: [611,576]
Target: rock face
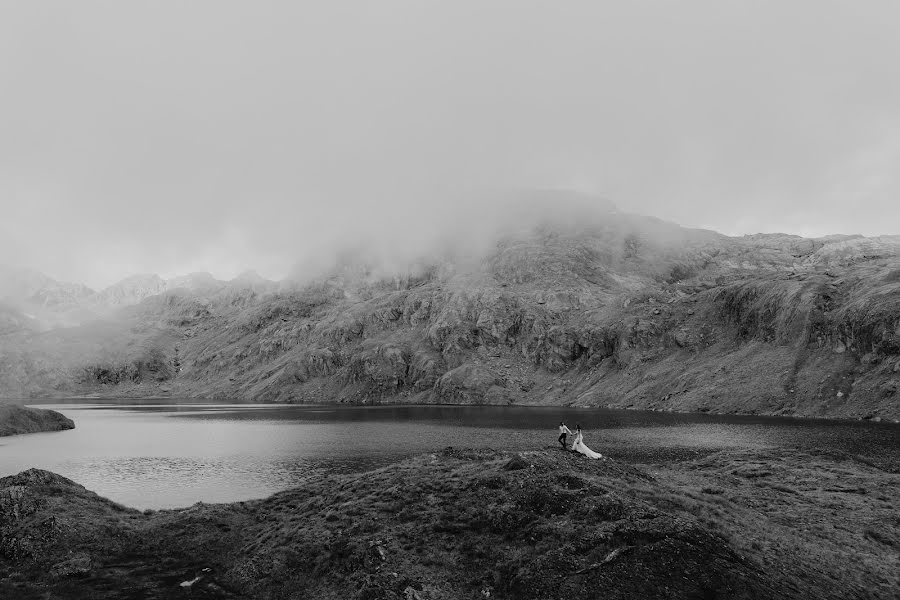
[621,311]
[22,419]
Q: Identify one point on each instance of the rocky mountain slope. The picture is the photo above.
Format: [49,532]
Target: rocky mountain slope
[606,310]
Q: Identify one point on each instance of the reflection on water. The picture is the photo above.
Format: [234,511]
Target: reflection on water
[160,454]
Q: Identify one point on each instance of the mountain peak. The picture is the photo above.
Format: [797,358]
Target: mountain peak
[193,281]
[250,276]
[133,289]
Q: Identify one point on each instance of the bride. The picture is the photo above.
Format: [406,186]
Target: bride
[578,445]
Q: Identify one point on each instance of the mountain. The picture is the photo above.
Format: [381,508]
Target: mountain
[132,290]
[249,277]
[21,283]
[12,319]
[43,302]
[30,300]
[609,309]
[195,281]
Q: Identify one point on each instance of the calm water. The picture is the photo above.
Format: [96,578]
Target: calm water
[159,455]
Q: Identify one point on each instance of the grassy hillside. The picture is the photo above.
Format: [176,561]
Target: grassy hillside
[477,524]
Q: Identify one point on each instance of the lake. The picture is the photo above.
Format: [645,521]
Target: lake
[165,454]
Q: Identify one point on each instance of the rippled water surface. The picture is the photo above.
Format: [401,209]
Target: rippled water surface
[159,455]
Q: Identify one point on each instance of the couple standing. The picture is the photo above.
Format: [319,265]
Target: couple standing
[578,444]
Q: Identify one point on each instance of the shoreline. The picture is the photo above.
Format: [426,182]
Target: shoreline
[208,400]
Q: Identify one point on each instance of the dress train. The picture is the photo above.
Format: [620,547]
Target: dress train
[578,446]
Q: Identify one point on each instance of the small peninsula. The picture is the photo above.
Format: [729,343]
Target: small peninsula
[16,419]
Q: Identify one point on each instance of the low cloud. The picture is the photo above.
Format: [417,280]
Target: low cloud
[220,136]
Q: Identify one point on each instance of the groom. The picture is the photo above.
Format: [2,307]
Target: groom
[563,430]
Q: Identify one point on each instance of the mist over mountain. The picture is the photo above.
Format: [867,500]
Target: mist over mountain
[593,307]
[43,303]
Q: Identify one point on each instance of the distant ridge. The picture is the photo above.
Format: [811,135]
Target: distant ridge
[54,303]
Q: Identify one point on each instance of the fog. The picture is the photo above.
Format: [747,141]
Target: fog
[219,136]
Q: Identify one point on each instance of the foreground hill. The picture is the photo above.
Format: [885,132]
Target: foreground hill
[476,524]
[610,309]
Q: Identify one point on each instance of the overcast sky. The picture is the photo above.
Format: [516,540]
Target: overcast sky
[176,136]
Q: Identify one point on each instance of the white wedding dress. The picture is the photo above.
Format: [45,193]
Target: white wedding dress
[578,446]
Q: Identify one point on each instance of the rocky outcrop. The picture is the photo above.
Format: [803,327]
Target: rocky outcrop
[152,366]
[16,419]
